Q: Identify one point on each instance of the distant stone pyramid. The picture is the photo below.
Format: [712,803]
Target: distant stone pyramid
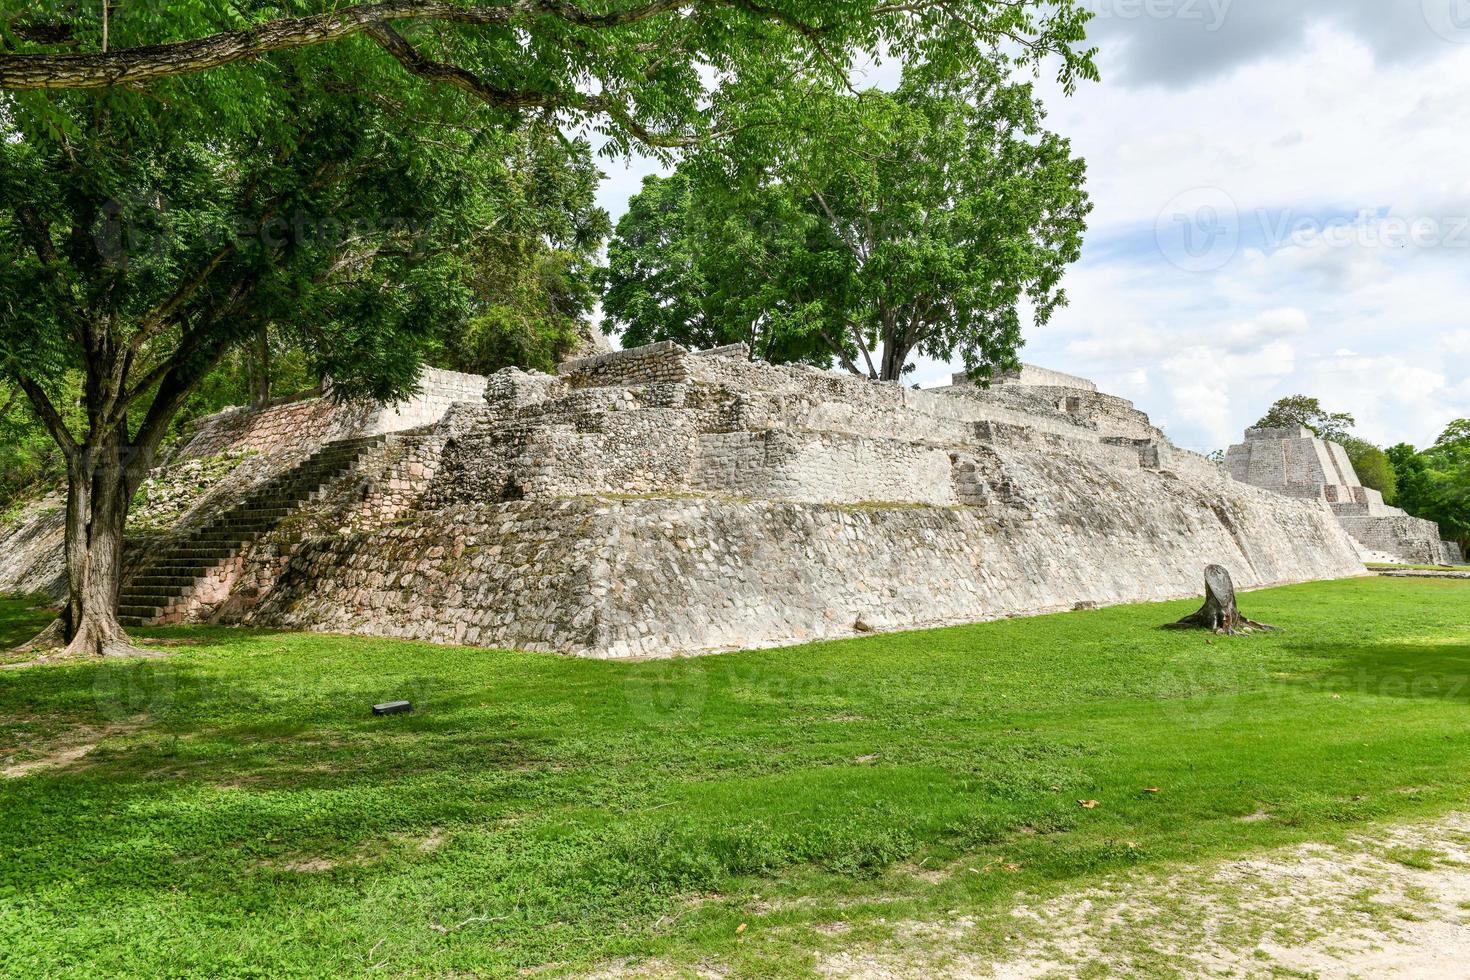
[1295,462]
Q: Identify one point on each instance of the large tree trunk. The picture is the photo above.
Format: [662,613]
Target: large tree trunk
[1220,612]
[893,361]
[98,496]
[262,394]
[97,513]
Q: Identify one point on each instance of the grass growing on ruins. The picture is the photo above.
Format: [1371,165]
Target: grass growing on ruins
[235,810]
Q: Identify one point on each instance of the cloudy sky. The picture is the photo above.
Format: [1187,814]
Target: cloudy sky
[1282,193]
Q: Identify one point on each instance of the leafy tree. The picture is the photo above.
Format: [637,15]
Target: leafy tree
[1295,410]
[532,274]
[875,226]
[696,265]
[144,243]
[229,167]
[1435,484]
[656,71]
[1375,470]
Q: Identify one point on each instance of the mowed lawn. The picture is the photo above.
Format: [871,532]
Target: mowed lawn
[243,814]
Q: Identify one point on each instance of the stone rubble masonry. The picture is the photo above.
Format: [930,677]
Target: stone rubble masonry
[1294,462]
[1030,374]
[659,502]
[301,425]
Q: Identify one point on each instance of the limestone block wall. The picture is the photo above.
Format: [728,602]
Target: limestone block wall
[299,426]
[661,362]
[787,464]
[31,549]
[438,390]
[1030,374]
[652,577]
[1410,539]
[294,427]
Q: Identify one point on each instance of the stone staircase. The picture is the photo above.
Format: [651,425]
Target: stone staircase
[167,577]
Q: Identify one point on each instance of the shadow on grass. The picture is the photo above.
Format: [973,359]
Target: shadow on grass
[21,618]
[1420,671]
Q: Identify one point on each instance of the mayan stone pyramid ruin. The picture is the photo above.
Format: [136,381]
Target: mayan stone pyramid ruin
[1297,463]
[657,501]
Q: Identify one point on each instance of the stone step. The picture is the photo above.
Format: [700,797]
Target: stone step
[203,557]
[166,581]
[169,574]
[164,565]
[138,594]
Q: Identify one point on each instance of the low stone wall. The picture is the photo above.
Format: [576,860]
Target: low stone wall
[295,427]
[1030,374]
[301,426]
[1411,540]
[438,390]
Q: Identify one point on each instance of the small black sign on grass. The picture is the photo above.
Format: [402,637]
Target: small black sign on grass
[393,708]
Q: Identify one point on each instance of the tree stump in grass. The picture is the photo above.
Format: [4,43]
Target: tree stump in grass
[1220,612]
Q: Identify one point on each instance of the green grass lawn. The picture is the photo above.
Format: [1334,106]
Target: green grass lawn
[245,815]
[1385,567]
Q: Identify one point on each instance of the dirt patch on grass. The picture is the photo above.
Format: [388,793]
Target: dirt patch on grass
[1394,903]
[76,746]
[369,853]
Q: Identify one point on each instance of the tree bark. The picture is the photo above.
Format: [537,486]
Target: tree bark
[99,492]
[262,393]
[894,361]
[1220,612]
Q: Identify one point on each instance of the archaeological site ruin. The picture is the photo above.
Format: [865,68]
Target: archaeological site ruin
[1297,463]
[658,501]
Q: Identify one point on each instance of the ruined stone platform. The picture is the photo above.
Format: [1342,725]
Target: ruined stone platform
[658,502]
[1295,462]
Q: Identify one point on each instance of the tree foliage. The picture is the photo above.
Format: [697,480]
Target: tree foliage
[1435,484]
[697,265]
[1375,470]
[532,272]
[661,72]
[1301,410]
[867,228]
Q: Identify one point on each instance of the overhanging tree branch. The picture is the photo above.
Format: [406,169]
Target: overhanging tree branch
[144,64]
[443,73]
